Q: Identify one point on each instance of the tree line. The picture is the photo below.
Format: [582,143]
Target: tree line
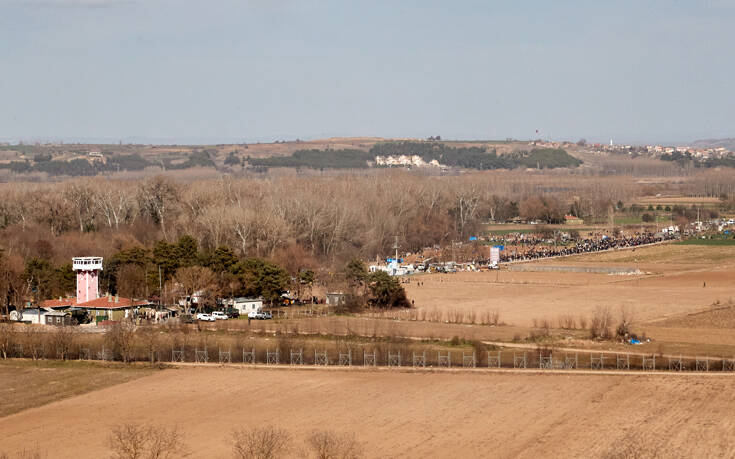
[296,222]
[43,162]
[478,158]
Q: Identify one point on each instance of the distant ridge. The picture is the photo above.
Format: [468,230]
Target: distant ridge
[715,143]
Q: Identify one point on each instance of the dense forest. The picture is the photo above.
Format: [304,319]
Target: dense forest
[319,159]
[478,158]
[112,163]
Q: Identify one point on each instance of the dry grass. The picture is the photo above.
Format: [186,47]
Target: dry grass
[30,384]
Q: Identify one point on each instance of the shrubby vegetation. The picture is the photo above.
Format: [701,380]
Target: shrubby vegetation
[78,167]
[319,159]
[683,159]
[114,163]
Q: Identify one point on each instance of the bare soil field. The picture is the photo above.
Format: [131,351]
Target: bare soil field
[27,384]
[678,200]
[678,280]
[401,414]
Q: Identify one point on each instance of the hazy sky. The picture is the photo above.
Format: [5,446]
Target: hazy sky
[245,70]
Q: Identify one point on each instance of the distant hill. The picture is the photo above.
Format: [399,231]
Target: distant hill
[715,143]
[480,158]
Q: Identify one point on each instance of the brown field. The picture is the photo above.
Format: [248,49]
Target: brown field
[400,414]
[678,200]
[674,284]
[26,384]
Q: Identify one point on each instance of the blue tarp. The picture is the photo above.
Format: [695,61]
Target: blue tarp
[473,238]
[501,247]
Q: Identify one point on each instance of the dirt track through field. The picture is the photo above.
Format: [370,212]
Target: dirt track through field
[401,414]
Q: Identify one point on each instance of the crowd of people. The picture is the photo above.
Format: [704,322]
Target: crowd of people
[531,247]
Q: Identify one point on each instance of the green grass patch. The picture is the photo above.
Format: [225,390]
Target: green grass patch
[711,242]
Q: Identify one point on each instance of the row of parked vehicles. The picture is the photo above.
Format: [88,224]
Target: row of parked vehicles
[222,315]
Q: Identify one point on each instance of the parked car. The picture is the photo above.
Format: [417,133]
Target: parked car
[219,315]
[232,313]
[259,315]
[205,317]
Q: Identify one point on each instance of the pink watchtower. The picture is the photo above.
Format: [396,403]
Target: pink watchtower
[88,273]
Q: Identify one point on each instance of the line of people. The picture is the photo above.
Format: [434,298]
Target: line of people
[541,249]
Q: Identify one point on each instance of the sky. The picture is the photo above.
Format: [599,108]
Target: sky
[220,71]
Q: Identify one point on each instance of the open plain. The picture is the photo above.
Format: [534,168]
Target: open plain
[401,414]
[675,280]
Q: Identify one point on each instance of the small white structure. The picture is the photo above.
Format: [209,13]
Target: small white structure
[246,305]
[336,298]
[494,256]
[32,315]
[393,268]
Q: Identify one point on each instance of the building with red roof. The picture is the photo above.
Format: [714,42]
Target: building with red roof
[108,307]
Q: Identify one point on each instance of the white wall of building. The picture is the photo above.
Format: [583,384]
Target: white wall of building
[247,305]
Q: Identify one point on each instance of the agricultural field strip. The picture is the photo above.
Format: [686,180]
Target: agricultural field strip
[700,312]
[456,370]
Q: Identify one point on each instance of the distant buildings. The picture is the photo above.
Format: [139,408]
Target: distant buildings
[405,160]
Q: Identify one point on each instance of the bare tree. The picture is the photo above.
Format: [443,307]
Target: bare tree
[7,335]
[134,441]
[261,443]
[121,338]
[158,197]
[326,444]
[63,339]
[81,198]
[193,279]
[116,204]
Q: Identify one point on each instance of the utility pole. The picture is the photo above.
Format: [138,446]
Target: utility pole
[160,288]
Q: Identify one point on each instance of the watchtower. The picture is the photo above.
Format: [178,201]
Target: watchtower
[88,270]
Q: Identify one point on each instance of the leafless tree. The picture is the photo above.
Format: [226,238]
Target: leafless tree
[326,444]
[158,198]
[116,204]
[135,441]
[193,279]
[63,338]
[80,196]
[120,337]
[261,443]
[7,335]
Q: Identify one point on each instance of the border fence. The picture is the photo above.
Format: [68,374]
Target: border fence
[533,360]
[178,348]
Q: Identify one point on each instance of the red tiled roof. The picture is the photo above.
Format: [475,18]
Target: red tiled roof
[103,302]
[59,303]
[110,303]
